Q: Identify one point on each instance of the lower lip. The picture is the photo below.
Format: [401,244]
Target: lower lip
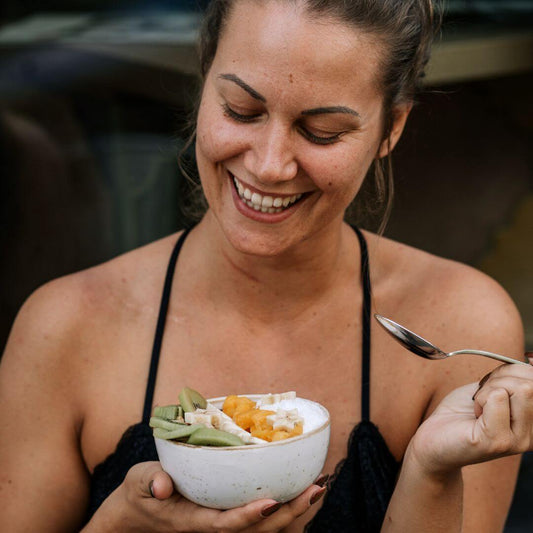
[259,216]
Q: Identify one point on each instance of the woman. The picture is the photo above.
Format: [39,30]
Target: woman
[271,292]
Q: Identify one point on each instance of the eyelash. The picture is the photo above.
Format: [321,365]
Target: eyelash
[237,116]
[320,140]
[247,119]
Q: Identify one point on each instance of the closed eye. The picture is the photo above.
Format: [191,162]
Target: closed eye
[320,139]
[312,137]
[231,113]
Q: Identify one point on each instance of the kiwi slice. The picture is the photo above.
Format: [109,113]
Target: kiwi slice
[170,412]
[214,437]
[190,400]
[182,431]
[156,422]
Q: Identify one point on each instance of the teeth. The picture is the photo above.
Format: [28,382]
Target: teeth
[268,201]
[265,204]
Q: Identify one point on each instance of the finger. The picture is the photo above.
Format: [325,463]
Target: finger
[482,382]
[494,427]
[521,399]
[151,480]
[510,370]
[247,516]
[268,515]
[300,504]
[161,486]
[505,376]
[322,480]
[294,508]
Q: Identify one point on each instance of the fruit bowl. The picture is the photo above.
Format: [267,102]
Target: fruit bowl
[230,476]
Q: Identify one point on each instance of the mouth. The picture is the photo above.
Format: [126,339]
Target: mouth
[264,203]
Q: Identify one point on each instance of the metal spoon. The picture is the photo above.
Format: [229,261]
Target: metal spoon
[424,348]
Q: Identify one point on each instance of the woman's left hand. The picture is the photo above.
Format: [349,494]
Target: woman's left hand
[479,422]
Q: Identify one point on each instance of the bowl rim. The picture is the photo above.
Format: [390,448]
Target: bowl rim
[259,445]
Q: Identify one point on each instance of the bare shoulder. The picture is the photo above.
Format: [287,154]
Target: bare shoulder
[452,304]
[68,313]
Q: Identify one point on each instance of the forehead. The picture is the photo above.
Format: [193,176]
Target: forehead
[279,42]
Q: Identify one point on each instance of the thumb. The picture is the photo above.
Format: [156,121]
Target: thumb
[153,481]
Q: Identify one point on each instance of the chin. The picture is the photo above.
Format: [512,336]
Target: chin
[258,243]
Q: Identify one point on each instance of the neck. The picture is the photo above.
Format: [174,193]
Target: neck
[277,287]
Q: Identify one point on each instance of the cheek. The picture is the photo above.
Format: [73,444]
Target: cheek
[216,139]
[340,174]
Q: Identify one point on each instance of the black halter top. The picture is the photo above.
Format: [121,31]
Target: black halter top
[359,491]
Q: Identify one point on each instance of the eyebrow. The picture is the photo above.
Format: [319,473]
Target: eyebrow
[332,109]
[309,112]
[252,92]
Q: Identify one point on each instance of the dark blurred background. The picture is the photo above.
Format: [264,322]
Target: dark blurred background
[95,96]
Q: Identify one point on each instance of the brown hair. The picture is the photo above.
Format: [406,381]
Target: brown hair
[405,28]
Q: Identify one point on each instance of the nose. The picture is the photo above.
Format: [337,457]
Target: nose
[270,157]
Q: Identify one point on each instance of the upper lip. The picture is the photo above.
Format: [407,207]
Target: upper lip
[261,192]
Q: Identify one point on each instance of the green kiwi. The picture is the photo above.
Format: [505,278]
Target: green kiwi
[156,422]
[170,412]
[182,431]
[214,437]
[190,400]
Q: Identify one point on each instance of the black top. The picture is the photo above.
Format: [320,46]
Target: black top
[358,493]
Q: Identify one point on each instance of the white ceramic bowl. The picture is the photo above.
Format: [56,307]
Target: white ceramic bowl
[227,477]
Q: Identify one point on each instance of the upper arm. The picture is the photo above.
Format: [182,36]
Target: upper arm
[483,317]
[43,479]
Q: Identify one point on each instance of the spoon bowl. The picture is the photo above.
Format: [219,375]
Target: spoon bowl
[422,347]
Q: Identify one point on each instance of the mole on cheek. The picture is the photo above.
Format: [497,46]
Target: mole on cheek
[290,78]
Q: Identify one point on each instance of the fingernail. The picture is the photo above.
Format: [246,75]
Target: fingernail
[484,379]
[151,488]
[317,495]
[322,480]
[475,393]
[270,509]
[481,383]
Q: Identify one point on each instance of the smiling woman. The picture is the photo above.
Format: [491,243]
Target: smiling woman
[273,291]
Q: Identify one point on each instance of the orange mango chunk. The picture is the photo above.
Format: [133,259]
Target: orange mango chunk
[244,413]
[236,404]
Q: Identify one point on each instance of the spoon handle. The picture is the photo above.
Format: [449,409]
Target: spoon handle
[496,356]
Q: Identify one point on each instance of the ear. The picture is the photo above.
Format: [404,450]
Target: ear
[399,114]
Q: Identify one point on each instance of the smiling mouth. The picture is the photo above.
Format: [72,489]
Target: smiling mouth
[264,203]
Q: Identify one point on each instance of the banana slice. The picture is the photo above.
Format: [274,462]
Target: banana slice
[269,399]
[285,420]
[209,420]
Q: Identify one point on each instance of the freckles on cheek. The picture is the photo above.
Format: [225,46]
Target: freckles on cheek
[209,144]
[219,142]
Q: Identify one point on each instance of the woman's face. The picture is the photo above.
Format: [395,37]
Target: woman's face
[289,124]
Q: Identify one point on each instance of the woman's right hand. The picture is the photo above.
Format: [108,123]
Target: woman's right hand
[147,502]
